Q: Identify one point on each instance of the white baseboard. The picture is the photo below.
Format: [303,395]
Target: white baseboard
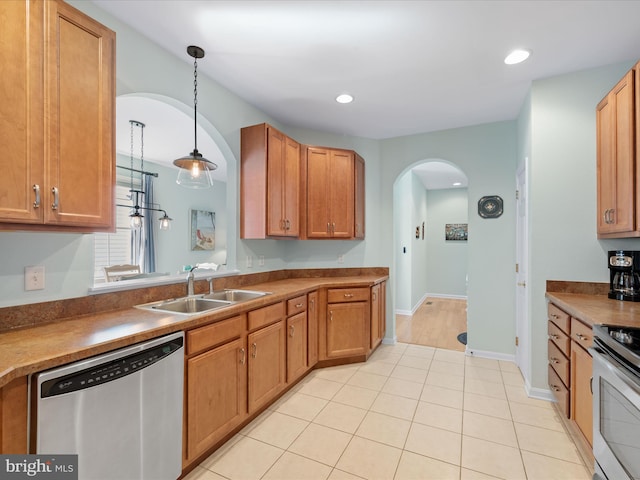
[424,297]
[491,355]
[444,295]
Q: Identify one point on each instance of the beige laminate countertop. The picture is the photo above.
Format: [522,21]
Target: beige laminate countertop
[28,350]
[597,309]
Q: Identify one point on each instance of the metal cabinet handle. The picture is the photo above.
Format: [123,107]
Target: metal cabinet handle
[287,225]
[333,228]
[36,202]
[56,198]
[553,315]
[291,330]
[243,358]
[331,315]
[299,305]
[328,228]
[348,295]
[374,296]
[591,385]
[554,336]
[554,360]
[555,388]
[581,336]
[254,353]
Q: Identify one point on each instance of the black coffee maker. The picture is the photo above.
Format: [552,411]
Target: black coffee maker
[624,275]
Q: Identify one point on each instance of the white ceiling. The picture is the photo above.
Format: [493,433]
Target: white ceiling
[412,66]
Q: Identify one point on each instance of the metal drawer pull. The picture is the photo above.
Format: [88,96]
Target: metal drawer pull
[243,359]
[582,337]
[553,315]
[56,198]
[299,305]
[554,360]
[36,189]
[255,350]
[348,295]
[554,336]
[555,388]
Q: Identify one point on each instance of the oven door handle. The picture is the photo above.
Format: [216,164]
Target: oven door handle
[616,368]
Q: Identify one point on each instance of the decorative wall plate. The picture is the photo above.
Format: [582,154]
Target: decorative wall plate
[490,206]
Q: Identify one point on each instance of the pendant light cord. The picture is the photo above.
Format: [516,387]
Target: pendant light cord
[195,104]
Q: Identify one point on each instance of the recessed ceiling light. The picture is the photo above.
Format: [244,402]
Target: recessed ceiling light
[517,56]
[457,184]
[344,98]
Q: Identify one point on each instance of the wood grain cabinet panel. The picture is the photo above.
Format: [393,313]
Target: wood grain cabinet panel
[617,136]
[62,158]
[297,335]
[216,395]
[269,183]
[581,394]
[312,326]
[267,364]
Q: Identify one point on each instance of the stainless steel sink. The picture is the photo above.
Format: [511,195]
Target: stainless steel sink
[235,296]
[186,305]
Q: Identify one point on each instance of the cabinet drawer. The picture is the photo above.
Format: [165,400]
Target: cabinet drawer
[560,318]
[558,337]
[266,315]
[341,295]
[559,391]
[296,305]
[209,336]
[559,362]
[582,334]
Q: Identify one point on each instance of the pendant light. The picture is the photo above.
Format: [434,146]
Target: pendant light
[195,170]
[136,216]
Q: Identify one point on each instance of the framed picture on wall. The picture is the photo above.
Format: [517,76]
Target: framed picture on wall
[203,230]
[456,231]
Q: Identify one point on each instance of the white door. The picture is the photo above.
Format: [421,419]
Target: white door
[522,260]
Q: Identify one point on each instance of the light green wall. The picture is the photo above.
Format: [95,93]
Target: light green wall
[487,156]
[562,192]
[446,269]
[402,227]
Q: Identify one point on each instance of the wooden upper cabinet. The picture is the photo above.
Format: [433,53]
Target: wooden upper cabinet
[57,99]
[22,110]
[359,198]
[269,183]
[330,184]
[616,128]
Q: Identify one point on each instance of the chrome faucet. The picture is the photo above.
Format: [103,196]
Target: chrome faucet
[190,281]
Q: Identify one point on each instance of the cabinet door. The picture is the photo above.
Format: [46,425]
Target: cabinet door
[347,332]
[341,194]
[375,316]
[359,199]
[216,395]
[22,101]
[312,314]
[383,310]
[291,193]
[275,183]
[318,178]
[80,163]
[615,122]
[267,364]
[581,395]
[296,346]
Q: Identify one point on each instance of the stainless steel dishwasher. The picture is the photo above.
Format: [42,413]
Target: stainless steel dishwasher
[120,412]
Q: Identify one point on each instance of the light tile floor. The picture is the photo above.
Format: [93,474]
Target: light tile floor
[409,413]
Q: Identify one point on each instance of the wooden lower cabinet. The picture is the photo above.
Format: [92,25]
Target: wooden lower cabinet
[581,394]
[347,332]
[216,395]
[13,417]
[267,364]
[296,346]
[312,328]
[378,314]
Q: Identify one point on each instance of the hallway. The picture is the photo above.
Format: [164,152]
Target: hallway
[436,323]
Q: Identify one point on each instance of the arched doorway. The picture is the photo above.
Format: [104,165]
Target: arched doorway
[431,201]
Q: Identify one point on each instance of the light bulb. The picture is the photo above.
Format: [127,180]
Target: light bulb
[195,169]
[136,221]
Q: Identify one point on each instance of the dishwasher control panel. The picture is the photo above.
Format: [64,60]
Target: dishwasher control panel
[107,372]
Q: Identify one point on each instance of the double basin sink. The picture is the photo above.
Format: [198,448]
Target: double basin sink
[204,303]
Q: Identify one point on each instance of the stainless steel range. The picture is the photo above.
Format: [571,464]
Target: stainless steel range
[616,402]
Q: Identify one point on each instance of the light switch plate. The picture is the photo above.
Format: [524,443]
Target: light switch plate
[34,277]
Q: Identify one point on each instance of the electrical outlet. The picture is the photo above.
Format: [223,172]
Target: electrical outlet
[340,258]
[249,261]
[34,277]
[261,260]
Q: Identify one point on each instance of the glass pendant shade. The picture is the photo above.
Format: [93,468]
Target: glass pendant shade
[194,171]
[136,220]
[165,222]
